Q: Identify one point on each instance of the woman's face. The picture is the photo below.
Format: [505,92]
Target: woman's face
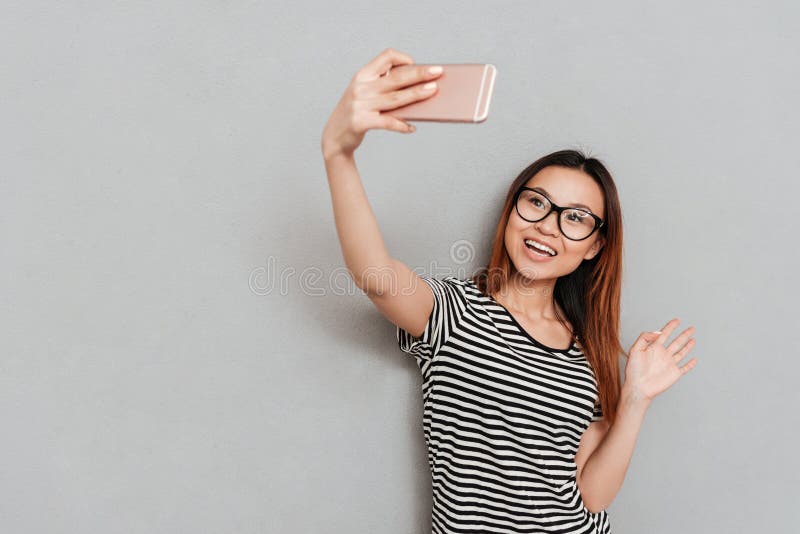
[566,187]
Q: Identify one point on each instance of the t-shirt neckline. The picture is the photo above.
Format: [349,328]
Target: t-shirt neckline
[527,334]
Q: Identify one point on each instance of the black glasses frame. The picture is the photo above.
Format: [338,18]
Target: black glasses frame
[598,222]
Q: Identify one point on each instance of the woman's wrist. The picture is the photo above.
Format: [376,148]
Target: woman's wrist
[632,399]
[332,150]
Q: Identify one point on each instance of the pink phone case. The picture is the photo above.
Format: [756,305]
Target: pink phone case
[463,94]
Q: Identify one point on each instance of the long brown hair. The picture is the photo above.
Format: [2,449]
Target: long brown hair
[590,295]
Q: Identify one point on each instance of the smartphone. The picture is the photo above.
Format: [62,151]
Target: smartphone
[463,94]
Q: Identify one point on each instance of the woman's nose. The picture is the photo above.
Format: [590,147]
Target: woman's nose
[550,223]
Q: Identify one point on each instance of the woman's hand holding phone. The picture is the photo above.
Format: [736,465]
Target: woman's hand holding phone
[371,92]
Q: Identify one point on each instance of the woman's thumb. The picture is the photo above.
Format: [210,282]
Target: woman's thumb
[404,127]
[392,123]
[649,337]
[645,338]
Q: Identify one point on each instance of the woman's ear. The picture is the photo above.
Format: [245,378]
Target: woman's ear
[595,249]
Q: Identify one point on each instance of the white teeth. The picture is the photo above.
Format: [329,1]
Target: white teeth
[540,247]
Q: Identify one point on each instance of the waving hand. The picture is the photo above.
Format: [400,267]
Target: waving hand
[652,368]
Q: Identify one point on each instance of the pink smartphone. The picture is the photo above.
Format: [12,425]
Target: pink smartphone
[463,94]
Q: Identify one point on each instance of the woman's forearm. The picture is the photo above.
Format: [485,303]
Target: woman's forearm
[604,471]
[364,252]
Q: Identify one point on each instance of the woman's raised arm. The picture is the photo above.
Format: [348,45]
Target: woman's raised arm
[394,288]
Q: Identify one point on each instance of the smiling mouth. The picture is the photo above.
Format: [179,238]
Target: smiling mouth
[539,249]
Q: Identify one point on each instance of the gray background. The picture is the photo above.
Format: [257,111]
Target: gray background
[161,174]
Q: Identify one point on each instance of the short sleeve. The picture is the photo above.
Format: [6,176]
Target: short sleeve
[598,412]
[449,306]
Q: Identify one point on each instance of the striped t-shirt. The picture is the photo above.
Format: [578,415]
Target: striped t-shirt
[503,416]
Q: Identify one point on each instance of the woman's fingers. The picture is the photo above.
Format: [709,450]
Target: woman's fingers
[395,99]
[680,341]
[688,367]
[667,329]
[645,339]
[381,64]
[681,346]
[374,90]
[681,354]
[660,337]
[354,114]
[405,76]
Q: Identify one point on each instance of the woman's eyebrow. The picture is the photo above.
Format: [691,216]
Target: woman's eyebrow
[577,205]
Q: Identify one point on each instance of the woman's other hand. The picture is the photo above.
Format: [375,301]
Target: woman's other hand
[652,368]
[371,91]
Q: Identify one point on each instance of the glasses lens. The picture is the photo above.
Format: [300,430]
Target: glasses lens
[576,224]
[532,205]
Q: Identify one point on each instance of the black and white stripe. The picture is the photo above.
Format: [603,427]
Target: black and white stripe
[503,417]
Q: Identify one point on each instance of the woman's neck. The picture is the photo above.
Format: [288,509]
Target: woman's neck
[532,298]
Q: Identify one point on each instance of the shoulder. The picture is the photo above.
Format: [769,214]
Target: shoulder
[463,286]
[455,289]
[452,283]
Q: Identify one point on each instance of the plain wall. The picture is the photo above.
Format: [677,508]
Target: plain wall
[161,174]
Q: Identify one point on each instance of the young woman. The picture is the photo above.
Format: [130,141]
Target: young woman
[527,425]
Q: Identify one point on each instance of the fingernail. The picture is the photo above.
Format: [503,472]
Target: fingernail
[656,331]
[435,70]
[429,85]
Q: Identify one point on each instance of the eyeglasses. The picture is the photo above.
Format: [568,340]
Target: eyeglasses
[575,224]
